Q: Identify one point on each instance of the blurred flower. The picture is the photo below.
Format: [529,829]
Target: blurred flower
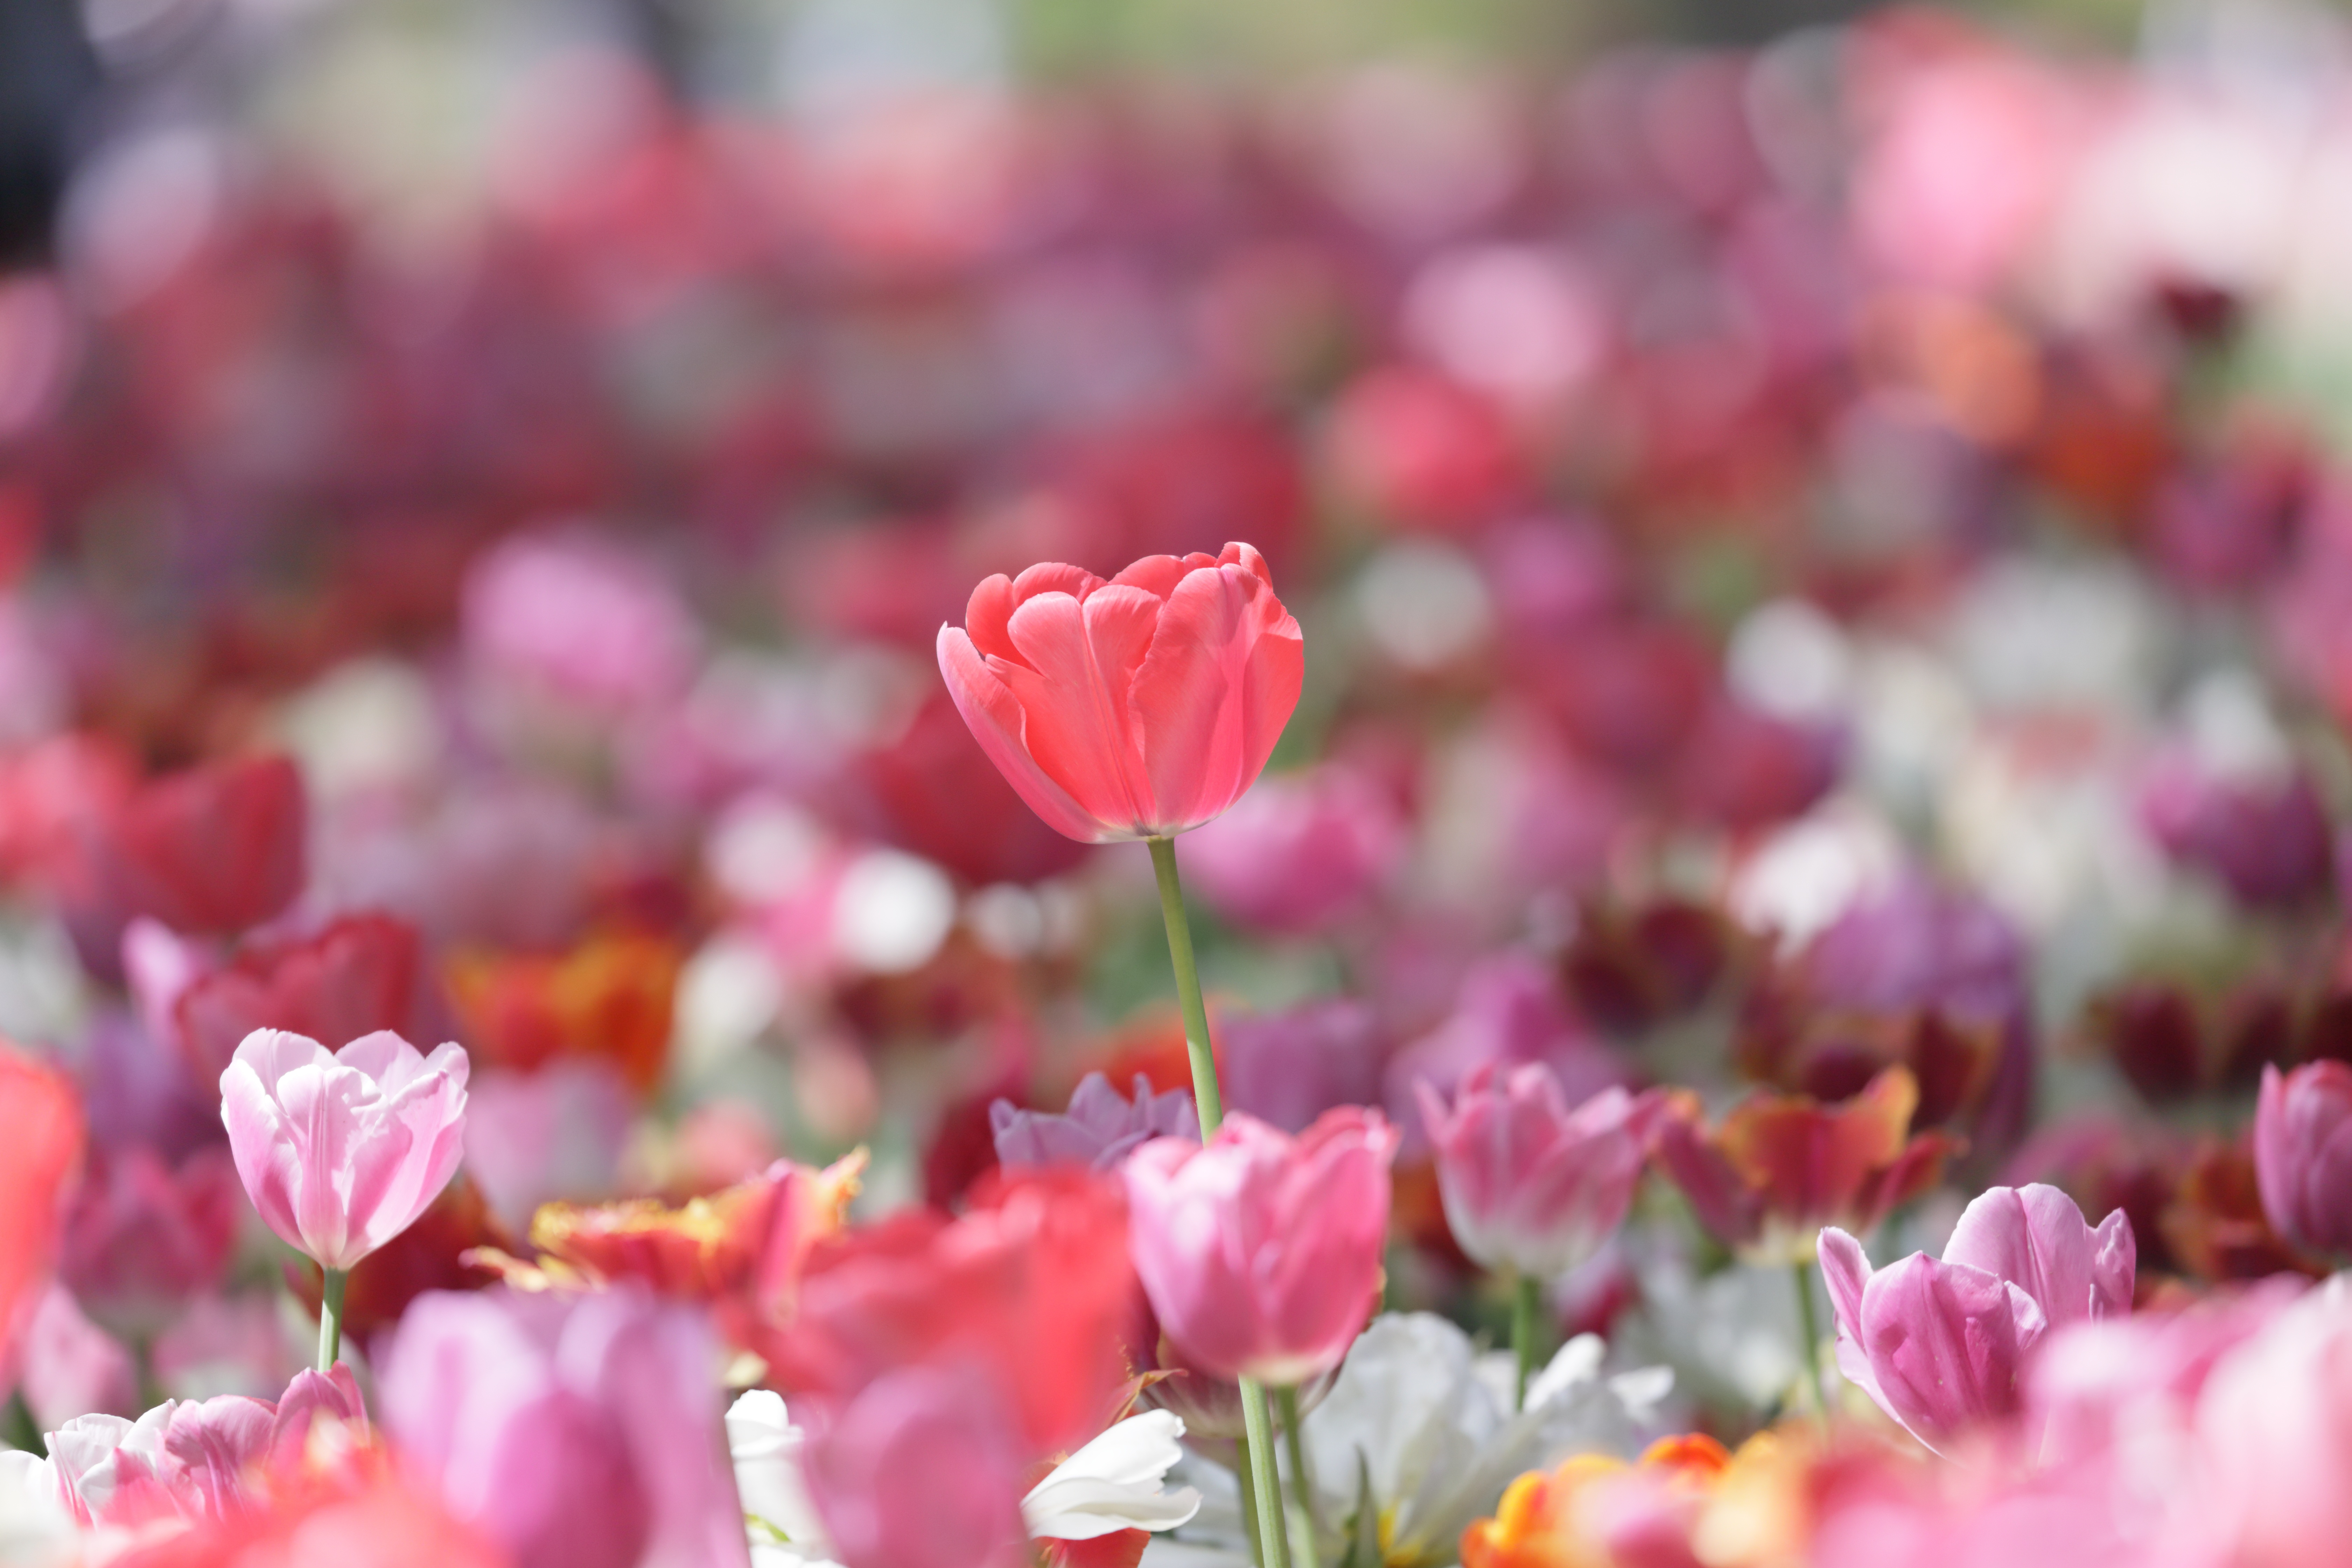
[933,790]
[2274,1418]
[40,1149]
[922,1469]
[576,1431]
[213,850]
[352,976]
[1298,851]
[1175,739]
[2267,840]
[771,1477]
[555,1133]
[1508,1012]
[1027,1292]
[611,997]
[2303,1154]
[1113,1485]
[143,1236]
[1529,1184]
[1941,1346]
[578,621]
[1101,1129]
[1595,1508]
[1630,969]
[71,1366]
[1261,1253]
[1776,1169]
[341,1150]
[1287,1069]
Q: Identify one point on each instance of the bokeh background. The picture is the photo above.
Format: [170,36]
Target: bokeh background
[1818,532]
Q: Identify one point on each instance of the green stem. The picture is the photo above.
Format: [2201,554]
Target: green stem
[1205,1097]
[1302,1484]
[1527,1306]
[330,1318]
[1246,1474]
[1809,1325]
[1273,1538]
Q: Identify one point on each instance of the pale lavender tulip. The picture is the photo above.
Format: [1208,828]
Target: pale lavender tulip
[1529,1184]
[1101,1129]
[575,1432]
[1939,1345]
[341,1150]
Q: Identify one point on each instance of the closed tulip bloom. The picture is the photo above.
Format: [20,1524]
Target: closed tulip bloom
[1261,1253]
[1938,1345]
[1135,708]
[341,1150]
[1528,1183]
[2303,1154]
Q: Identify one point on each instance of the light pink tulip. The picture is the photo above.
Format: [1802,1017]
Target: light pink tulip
[1527,1184]
[2274,1422]
[1939,1345]
[1133,707]
[2303,1154]
[1261,1253]
[341,1150]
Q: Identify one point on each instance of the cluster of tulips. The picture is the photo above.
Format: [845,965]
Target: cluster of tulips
[1732,680]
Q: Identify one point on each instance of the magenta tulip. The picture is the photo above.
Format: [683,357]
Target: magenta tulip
[1261,1253]
[1938,1346]
[2303,1154]
[1135,708]
[341,1150]
[575,1432]
[1529,1184]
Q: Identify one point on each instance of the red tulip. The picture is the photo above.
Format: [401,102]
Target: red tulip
[213,850]
[352,977]
[1135,708]
[40,1143]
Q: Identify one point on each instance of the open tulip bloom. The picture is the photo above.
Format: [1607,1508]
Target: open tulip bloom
[341,1150]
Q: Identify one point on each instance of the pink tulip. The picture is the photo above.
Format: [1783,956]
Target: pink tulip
[2274,1421]
[1940,1346]
[341,1150]
[142,1237]
[2303,1154]
[575,1432]
[1529,1184]
[71,1366]
[1261,1253]
[1299,852]
[921,1470]
[1129,709]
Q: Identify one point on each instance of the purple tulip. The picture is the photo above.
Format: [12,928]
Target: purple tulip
[921,1470]
[2303,1154]
[1101,1129]
[1939,1345]
[1529,1184]
[576,1432]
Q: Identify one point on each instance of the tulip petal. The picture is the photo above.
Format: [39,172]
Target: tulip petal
[1223,673]
[2035,1237]
[994,717]
[1946,1341]
[1072,691]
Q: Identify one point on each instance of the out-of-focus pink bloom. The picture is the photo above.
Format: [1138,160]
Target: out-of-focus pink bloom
[921,1470]
[2303,1154]
[2266,839]
[341,1150]
[71,1366]
[1288,1069]
[575,1432]
[1509,1012]
[351,977]
[932,790]
[579,621]
[311,1397]
[230,1344]
[138,1091]
[1297,852]
[1940,1346]
[1133,707]
[1529,1184]
[1261,1253]
[40,1147]
[1747,770]
[1100,1130]
[143,1238]
[557,1134]
[2275,1424]
[1425,451]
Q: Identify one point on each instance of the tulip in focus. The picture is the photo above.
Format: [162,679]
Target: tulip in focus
[1779,1168]
[575,1432]
[2303,1154]
[1529,1184]
[1136,708]
[1261,1252]
[1939,1345]
[1099,1130]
